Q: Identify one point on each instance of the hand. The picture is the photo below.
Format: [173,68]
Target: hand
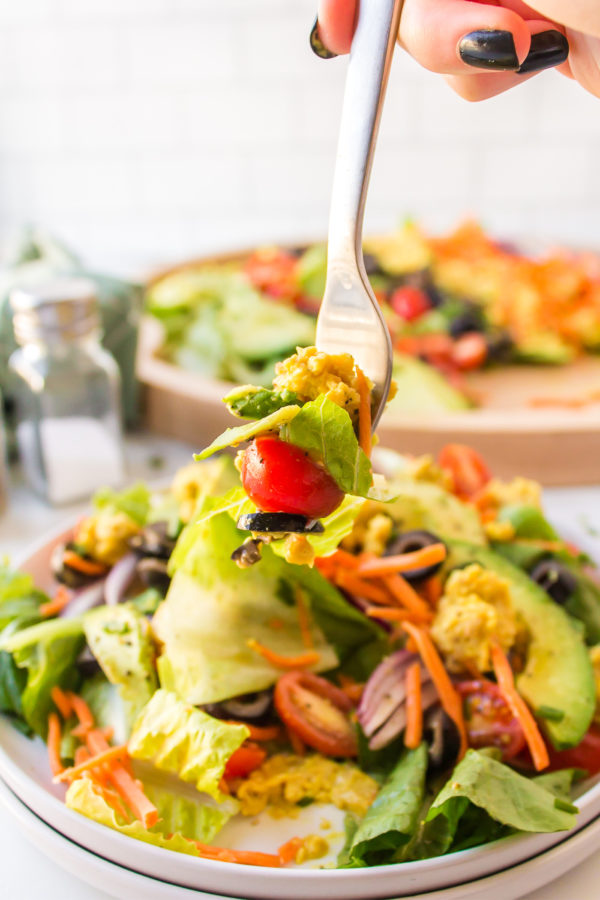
[484,48]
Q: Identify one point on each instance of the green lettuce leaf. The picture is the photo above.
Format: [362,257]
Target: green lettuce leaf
[210,596]
[19,598]
[184,741]
[325,431]
[391,820]
[249,402]
[507,798]
[119,638]
[134,501]
[182,818]
[48,652]
[231,437]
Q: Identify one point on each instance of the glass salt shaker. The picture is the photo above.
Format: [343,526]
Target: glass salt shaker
[67,392]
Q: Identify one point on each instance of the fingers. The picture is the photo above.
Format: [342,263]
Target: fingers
[582,16]
[336,24]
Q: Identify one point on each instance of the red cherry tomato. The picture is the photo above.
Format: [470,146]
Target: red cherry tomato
[244,760]
[489,721]
[280,477]
[467,468]
[586,755]
[469,351]
[409,302]
[274,272]
[317,711]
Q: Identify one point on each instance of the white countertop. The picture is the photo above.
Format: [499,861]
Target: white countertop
[27,874]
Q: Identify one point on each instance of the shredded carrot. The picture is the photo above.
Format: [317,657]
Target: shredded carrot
[53,607]
[224,787]
[390,614]
[364,412]
[404,562]
[285,662]
[449,698]
[351,688]
[407,597]
[296,742]
[82,754]
[61,701]
[362,588]
[128,788]
[287,852]
[303,619]
[259,732]
[244,857]
[83,713]
[414,711]
[53,741]
[81,564]
[432,590]
[520,710]
[340,558]
[91,763]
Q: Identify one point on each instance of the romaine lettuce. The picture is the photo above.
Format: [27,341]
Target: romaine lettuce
[231,437]
[249,402]
[134,501]
[183,741]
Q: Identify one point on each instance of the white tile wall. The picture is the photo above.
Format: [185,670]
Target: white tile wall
[143,131]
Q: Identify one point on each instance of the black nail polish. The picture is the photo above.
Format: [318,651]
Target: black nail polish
[548,49]
[489,49]
[316,44]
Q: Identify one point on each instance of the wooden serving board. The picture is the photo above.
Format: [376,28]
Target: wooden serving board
[515,432]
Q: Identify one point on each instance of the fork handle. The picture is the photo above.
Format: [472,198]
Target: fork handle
[366,81]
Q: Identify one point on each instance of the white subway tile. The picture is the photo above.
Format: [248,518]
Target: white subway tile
[181,55]
[203,184]
[534,171]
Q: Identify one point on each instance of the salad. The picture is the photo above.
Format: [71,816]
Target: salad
[421,653]
[455,306]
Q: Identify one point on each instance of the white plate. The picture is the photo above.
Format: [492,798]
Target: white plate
[125,884]
[24,767]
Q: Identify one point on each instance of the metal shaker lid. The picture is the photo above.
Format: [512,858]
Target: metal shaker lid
[54,310]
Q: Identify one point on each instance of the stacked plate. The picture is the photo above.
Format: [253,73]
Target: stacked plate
[127,868]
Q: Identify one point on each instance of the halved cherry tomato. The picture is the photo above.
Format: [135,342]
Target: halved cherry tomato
[244,760]
[470,351]
[586,755]
[317,711]
[489,721]
[467,468]
[274,272]
[409,302]
[280,477]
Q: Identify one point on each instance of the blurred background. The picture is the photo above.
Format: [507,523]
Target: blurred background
[145,131]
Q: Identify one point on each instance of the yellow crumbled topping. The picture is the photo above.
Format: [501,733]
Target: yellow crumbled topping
[371,531]
[314,846]
[309,373]
[298,550]
[476,606]
[285,779]
[239,460]
[518,491]
[595,660]
[105,535]
[425,468]
[188,484]
[499,531]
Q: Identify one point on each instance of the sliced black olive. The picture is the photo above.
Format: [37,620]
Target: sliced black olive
[442,737]
[470,319]
[499,346]
[153,573]
[246,707]
[372,265]
[72,578]
[280,523]
[558,582]
[409,541]
[153,540]
[248,554]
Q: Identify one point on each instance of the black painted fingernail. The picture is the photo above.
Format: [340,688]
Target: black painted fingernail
[548,49]
[316,44]
[489,49]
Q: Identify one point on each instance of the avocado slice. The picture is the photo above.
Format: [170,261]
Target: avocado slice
[421,388]
[423,504]
[558,673]
[543,347]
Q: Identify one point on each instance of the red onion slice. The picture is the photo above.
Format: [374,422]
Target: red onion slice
[85,599]
[382,678]
[397,721]
[119,578]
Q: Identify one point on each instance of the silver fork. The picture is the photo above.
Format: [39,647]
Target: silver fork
[350,320]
